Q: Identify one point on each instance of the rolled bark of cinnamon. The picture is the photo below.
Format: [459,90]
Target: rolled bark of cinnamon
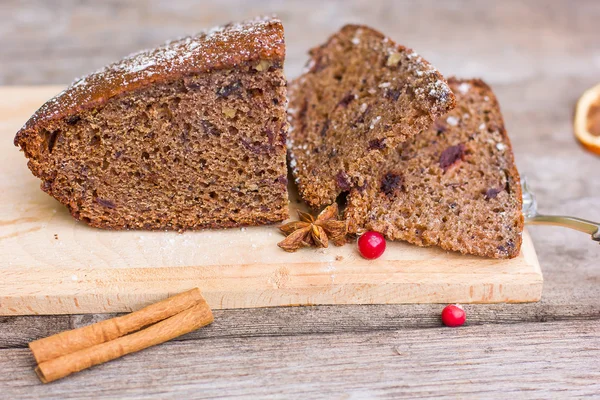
[186,321]
[85,337]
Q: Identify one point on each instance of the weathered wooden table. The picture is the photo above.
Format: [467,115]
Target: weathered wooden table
[538,56]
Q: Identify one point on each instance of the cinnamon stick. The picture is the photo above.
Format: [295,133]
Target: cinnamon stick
[81,338]
[177,325]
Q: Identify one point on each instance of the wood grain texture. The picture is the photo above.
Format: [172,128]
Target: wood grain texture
[541,361]
[17,332]
[539,56]
[54,264]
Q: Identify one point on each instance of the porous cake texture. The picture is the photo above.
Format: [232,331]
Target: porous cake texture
[360,97]
[186,136]
[455,186]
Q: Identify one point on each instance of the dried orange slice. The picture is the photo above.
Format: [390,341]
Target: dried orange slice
[587,119]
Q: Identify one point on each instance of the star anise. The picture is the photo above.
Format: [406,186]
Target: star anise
[311,231]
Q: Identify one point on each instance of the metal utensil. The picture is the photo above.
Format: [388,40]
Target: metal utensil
[532,217]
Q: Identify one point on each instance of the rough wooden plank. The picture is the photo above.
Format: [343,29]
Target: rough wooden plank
[16,332]
[541,361]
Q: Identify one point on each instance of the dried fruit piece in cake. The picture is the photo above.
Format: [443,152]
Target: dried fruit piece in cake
[455,186]
[186,136]
[360,96]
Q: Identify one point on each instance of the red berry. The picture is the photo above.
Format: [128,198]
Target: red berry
[453,315]
[371,245]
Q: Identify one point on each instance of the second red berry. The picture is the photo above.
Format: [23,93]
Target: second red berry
[453,315]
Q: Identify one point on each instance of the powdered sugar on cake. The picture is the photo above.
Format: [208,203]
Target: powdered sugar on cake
[452,121]
[464,87]
[217,48]
[198,48]
[436,89]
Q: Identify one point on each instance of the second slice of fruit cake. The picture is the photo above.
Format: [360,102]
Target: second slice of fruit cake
[360,96]
[186,136]
[455,186]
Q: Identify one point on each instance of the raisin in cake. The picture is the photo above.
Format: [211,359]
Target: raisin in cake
[189,135]
[360,96]
[455,186]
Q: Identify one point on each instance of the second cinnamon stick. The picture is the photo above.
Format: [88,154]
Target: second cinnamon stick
[177,325]
[85,337]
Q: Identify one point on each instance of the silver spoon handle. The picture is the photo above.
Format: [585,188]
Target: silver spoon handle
[578,224]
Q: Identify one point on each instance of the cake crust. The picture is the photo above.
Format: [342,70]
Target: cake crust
[455,186]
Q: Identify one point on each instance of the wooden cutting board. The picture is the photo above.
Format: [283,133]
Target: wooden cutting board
[52,264]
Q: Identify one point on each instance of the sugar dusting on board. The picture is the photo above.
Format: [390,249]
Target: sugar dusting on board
[216,48]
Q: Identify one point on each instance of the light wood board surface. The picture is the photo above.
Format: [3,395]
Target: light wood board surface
[54,264]
[538,55]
